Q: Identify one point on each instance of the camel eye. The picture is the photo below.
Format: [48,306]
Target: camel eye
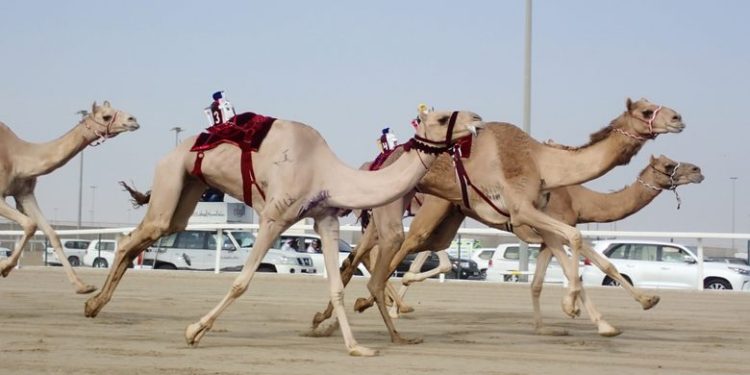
[107,117]
[443,120]
[647,113]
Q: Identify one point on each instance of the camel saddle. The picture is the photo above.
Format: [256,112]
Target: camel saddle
[246,131]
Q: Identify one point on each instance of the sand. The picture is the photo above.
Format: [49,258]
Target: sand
[468,327]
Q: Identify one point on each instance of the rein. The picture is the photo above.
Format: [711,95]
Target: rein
[672,183]
[101,136]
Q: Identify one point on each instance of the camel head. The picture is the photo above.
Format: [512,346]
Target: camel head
[668,174]
[434,125]
[647,120]
[107,122]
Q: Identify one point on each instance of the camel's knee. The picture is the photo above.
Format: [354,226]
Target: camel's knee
[29,227]
[337,297]
[237,290]
[536,290]
[391,239]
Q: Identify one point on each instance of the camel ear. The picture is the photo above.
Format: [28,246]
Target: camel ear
[653,159]
[94,107]
[106,104]
[629,104]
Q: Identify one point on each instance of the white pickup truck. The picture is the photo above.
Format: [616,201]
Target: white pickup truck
[196,250]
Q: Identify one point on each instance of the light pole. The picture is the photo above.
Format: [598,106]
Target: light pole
[93,201]
[523,250]
[83,113]
[734,180]
[177,130]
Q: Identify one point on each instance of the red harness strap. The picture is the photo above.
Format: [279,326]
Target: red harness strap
[463,180]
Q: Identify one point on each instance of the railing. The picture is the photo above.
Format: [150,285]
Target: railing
[697,236]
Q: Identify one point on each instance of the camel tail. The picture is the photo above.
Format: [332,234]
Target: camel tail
[137,198]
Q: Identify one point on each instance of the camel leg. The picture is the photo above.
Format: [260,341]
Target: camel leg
[32,209]
[604,328]
[173,199]
[347,269]
[647,301]
[434,227]
[527,214]
[328,228]
[29,227]
[542,262]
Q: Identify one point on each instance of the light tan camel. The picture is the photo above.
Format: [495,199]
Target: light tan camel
[301,178]
[574,205]
[526,169]
[22,162]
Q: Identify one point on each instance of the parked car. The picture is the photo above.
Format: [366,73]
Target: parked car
[728,260]
[74,250]
[653,264]
[302,242]
[482,256]
[196,250]
[100,253]
[504,265]
[468,268]
[5,252]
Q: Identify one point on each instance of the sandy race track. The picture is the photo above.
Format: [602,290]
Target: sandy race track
[468,327]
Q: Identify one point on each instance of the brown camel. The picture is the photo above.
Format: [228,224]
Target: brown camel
[295,176]
[527,168]
[574,205]
[22,162]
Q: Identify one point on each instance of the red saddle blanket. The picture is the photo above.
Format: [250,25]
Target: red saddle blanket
[246,131]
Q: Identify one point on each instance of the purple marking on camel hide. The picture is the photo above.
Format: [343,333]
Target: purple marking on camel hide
[316,200]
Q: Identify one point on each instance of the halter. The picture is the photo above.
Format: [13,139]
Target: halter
[672,183]
[101,136]
[431,147]
[649,123]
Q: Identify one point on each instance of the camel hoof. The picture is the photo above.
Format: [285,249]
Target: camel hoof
[362,304]
[405,309]
[91,308]
[607,330]
[546,331]
[327,332]
[318,318]
[404,341]
[362,351]
[569,307]
[5,267]
[194,333]
[85,289]
[649,302]
[408,278]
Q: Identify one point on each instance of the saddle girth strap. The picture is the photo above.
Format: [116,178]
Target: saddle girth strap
[197,171]
[463,181]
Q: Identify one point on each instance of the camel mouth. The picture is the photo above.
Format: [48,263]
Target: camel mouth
[473,127]
[676,128]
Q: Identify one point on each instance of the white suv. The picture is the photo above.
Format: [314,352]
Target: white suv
[653,264]
[504,265]
[100,253]
[196,250]
[74,249]
[301,242]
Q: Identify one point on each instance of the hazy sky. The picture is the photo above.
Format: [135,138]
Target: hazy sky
[351,68]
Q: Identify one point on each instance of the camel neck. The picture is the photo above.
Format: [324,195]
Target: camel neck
[578,165]
[43,158]
[592,206]
[365,189]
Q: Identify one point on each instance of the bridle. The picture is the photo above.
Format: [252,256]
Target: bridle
[672,183]
[101,137]
[432,147]
[649,122]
